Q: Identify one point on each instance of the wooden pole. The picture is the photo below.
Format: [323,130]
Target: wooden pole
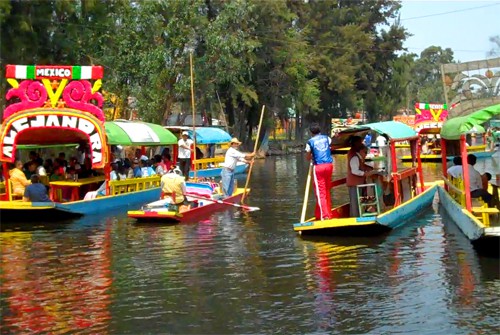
[194,113]
[222,113]
[254,151]
[306,194]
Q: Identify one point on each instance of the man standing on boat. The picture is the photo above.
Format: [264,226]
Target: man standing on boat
[233,155]
[184,155]
[318,149]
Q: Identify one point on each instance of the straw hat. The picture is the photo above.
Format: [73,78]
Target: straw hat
[234,140]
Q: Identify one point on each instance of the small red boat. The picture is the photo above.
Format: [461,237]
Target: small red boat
[159,211]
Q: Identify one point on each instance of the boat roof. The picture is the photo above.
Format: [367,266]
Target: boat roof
[473,123]
[210,135]
[124,132]
[394,130]
[204,135]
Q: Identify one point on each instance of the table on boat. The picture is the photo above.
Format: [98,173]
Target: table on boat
[74,185]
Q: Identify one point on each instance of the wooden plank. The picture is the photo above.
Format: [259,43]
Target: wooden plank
[471,66]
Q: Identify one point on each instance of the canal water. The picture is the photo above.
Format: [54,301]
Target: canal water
[246,272]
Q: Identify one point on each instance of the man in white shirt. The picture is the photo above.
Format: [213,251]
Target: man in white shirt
[455,171]
[382,145]
[232,157]
[184,155]
[476,182]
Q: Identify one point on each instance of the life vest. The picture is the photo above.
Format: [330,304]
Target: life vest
[320,149]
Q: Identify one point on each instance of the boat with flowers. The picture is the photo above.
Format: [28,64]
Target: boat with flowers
[53,105]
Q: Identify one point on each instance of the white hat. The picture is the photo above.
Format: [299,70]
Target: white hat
[185,133]
[234,140]
[144,158]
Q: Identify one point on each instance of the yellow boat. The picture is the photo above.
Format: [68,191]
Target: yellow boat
[407,200]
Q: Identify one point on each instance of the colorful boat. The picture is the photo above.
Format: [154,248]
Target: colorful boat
[407,201]
[479,222]
[478,150]
[201,205]
[205,136]
[61,105]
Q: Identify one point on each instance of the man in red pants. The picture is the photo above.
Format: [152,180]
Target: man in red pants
[318,149]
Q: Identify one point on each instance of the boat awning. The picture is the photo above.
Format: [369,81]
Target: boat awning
[394,130]
[210,135]
[123,132]
[453,128]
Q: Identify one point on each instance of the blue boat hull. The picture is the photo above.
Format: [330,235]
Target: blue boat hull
[403,213]
[80,208]
[215,172]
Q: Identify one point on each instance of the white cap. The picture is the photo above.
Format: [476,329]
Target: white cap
[144,158]
[185,133]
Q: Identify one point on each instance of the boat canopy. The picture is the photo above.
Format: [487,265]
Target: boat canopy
[210,135]
[394,130]
[453,128]
[124,132]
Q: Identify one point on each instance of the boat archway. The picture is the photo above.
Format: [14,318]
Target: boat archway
[42,126]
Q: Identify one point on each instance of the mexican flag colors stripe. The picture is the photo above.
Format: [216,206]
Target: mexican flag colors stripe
[53,72]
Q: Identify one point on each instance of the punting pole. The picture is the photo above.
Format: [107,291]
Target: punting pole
[306,194]
[466,174]
[254,150]
[194,112]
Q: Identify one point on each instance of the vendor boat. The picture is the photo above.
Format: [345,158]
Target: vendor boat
[479,222]
[210,167]
[203,199]
[61,105]
[408,201]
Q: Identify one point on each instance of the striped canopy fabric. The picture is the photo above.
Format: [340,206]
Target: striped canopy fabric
[123,132]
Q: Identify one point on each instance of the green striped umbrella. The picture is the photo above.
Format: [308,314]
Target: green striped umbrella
[124,132]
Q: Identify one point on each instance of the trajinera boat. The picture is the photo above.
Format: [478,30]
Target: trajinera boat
[389,209]
[475,218]
[209,140]
[61,106]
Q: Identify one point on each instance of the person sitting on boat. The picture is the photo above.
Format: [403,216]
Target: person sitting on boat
[476,182]
[173,186]
[184,154]
[18,179]
[160,167]
[36,192]
[136,168]
[357,171]
[233,155]
[455,171]
[167,160]
[486,177]
[318,150]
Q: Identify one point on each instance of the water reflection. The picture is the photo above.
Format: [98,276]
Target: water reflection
[54,283]
[245,272]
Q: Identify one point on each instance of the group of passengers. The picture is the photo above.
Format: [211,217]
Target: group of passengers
[478,183]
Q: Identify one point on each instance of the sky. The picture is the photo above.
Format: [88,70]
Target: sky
[464,26]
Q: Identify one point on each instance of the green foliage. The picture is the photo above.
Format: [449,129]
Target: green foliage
[321,58]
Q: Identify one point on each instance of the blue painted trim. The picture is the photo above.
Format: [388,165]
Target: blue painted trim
[303,224]
[215,172]
[108,203]
[401,214]
[467,225]
[366,219]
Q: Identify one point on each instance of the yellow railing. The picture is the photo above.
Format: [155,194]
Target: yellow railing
[205,163]
[133,185]
[480,209]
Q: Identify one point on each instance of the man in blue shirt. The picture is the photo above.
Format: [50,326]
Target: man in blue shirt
[36,192]
[318,150]
[368,141]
